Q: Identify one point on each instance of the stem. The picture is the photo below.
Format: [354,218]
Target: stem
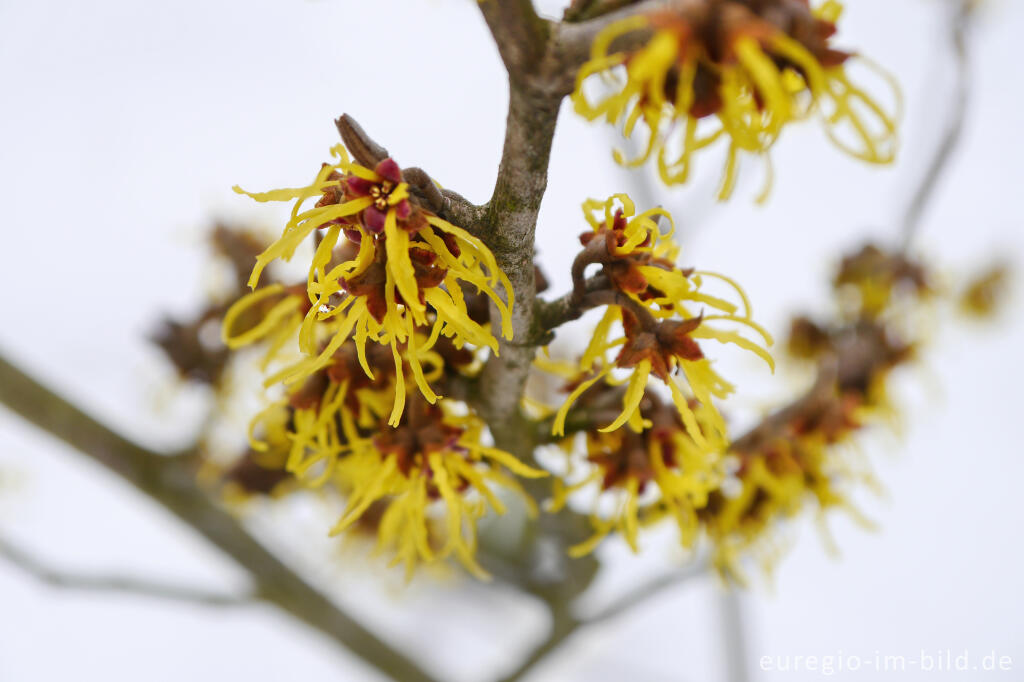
[647,591]
[122,584]
[734,638]
[950,140]
[509,230]
[170,481]
[520,34]
[563,625]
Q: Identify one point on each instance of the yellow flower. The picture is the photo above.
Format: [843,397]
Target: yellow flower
[335,407]
[271,315]
[256,472]
[870,280]
[805,462]
[433,464]
[986,293]
[651,298]
[625,464]
[754,68]
[398,278]
[803,456]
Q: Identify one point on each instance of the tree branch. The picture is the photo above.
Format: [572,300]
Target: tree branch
[581,10]
[954,128]
[123,584]
[563,625]
[520,34]
[509,227]
[572,41]
[734,635]
[549,315]
[643,593]
[171,482]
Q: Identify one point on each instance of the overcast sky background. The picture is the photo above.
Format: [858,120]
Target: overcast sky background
[126,123]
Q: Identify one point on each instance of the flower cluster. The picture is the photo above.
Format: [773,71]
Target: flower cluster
[677,462]
[636,442]
[415,468]
[434,455]
[385,270]
[871,280]
[801,456]
[421,484]
[651,299]
[643,476]
[752,67]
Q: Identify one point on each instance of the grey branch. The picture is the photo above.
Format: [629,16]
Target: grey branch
[118,584]
[553,314]
[957,113]
[519,33]
[581,10]
[564,624]
[171,482]
[734,635]
[573,40]
[647,591]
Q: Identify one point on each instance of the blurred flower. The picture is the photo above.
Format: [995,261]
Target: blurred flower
[420,485]
[261,470]
[872,276]
[803,456]
[754,66]
[782,470]
[986,293]
[196,353]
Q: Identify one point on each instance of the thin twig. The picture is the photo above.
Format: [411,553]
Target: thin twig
[734,635]
[123,584]
[563,626]
[610,297]
[647,591]
[954,128]
[553,314]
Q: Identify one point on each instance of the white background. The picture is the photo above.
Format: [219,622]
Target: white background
[124,124]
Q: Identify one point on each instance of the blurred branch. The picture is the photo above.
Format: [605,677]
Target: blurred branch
[957,112]
[171,482]
[581,10]
[734,635]
[643,593]
[564,624]
[128,585]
